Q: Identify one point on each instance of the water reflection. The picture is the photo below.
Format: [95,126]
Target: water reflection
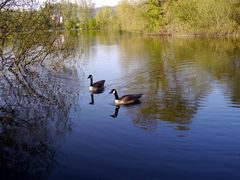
[31,124]
[175,75]
[92,99]
[115,114]
[36,98]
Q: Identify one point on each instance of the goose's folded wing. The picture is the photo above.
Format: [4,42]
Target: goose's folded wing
[129,97]
[99,83]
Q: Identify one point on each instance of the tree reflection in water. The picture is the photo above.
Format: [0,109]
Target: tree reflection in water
[35,103]
[175,75]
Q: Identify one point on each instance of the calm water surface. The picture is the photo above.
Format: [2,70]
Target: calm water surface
[186,127]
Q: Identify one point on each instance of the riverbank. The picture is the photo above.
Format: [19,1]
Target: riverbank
[235,35]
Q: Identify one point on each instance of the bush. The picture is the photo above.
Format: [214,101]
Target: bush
[204,17]
[217,17]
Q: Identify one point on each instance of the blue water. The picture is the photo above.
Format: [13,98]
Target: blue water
[186,126]
[138,144]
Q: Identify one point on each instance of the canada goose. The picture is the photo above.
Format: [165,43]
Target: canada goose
[126,99]
[97,86]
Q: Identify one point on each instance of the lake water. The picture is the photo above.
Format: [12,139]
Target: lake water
[187,125]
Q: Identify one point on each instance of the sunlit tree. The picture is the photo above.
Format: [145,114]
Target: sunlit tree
[105,17]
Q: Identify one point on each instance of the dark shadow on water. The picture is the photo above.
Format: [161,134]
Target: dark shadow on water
[92,95]
[92,99]
[115,114]
[182,128]
[35,104]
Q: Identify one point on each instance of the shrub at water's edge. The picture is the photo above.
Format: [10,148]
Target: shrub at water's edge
[182,17]
[203,17]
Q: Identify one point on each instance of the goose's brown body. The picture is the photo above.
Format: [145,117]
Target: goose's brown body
[97,86]
[126,99]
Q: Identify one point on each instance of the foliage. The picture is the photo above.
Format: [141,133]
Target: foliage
[202,17]
[31,49]
[181,17]
[105,18]
[77,14]
[129,17]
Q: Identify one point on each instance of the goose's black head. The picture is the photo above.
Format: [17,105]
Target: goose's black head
[113,91]
[90,76]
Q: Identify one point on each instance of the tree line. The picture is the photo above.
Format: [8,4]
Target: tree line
[181,17]
[175,17]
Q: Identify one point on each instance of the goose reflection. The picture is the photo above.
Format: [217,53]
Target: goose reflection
[115,114]
[92,96]
[92,99]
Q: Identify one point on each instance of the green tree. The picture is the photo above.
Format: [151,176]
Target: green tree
[85,12]
[129,17]
[200,17]
[105,17]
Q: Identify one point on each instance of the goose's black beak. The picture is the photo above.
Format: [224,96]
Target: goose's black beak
[110,92]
